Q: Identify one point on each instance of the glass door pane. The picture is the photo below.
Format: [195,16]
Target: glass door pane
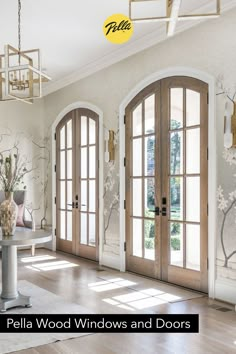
[65,180]
[64,173]
[77,183]
[88,178]
[184,175]
[176,244]
[144,191]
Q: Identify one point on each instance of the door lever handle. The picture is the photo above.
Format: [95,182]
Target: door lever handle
[164,213]
[156,211]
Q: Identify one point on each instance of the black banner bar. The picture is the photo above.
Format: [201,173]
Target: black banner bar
[76,323]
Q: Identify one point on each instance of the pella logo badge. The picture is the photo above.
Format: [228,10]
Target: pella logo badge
[118,28]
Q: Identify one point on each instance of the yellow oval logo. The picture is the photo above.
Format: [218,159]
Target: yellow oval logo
[118,28]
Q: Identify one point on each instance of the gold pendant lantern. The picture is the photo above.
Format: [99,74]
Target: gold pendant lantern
[21,77]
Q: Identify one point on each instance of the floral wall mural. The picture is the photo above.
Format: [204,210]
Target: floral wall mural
[226,255]
[226,192]
[111,202]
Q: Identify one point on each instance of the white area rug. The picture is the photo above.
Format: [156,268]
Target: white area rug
[43,302]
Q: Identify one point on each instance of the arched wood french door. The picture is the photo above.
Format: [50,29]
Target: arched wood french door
[77,183]
[166,182]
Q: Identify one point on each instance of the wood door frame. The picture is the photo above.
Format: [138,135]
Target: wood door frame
[74,246]
[161,267]
[63,244]
[145,93]
[212,215]
[170,272]
[63,112]
[81,249]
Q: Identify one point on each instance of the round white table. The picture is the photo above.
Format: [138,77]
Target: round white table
[10,296]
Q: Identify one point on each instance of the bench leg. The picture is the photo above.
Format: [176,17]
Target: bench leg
[33,250]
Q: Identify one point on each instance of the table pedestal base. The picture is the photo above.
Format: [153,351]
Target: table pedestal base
[20,300]
[10,296]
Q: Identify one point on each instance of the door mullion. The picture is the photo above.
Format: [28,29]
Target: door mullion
[58,183]
[165,179]
[184,178]
[66,162]
[158,179]
[76,144]
[143,179]
[88,183]
[129,185]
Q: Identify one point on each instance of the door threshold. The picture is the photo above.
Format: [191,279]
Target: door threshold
[167,283]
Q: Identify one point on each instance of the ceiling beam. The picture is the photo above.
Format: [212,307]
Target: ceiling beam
[173,7]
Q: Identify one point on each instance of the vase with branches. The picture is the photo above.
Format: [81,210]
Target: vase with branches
[13,168]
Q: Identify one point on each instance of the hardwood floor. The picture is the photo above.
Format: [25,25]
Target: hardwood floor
[81,283]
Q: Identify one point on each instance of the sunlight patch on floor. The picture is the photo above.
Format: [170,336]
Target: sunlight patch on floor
[52,266]
[147,303]
[130,297]
[169,297]
[142,299]
[110,284]
[152,292]
[36,259]
[32,268]
[125,307]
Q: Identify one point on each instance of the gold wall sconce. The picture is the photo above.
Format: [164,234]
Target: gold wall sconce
[230,127]
[109,145]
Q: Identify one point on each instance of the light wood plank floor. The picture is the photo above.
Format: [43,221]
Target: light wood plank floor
[79,284]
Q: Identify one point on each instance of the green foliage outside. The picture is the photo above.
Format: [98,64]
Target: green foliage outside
[175,236]
[175,229]
[175,243]
[175,168]
[174,190]
[149,243]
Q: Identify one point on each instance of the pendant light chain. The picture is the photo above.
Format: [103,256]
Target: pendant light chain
[19,25]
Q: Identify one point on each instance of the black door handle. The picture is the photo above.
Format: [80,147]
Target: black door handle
[72,204]
[156,211]
[163,211]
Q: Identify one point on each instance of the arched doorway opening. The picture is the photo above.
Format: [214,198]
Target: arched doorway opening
[167,182]
[77,183]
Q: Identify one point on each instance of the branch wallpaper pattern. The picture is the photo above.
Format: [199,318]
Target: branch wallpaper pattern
[111,203]
[226,255]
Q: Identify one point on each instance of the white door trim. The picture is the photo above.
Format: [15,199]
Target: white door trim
[212,187]
[60,116]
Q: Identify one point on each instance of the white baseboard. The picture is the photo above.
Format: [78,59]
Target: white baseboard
[110,261]
[225,290]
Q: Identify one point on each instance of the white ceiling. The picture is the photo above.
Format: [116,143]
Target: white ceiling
[69,33]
